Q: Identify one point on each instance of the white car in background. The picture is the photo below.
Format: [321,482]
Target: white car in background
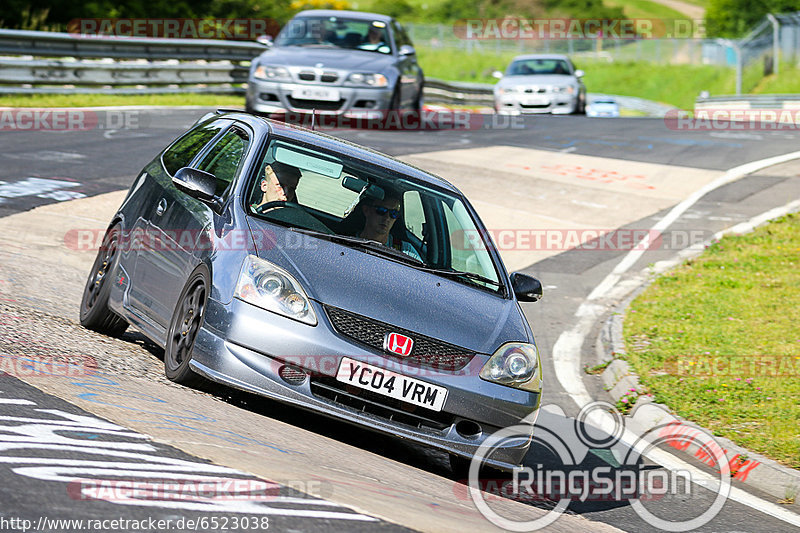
[540,83]
[602,106]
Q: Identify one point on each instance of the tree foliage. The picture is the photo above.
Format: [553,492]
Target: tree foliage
[734,18]
[46,14]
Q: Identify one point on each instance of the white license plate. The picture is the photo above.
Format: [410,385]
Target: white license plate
[316,93]
[391,384]
[535,101]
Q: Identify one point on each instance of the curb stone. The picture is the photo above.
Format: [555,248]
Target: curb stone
[748,467]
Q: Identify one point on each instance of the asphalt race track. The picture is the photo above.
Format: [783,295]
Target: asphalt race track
[556,174]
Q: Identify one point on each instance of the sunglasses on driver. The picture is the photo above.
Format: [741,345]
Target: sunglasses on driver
[380,210]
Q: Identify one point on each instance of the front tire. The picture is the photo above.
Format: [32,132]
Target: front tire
[94,311]
[184,326]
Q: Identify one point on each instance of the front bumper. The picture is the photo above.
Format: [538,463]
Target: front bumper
[555,103]
[358,102]
[245,347]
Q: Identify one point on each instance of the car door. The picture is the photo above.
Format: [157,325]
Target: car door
[186,221]
[410,71]
[149,247]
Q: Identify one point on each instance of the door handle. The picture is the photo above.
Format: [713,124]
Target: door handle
[162,206]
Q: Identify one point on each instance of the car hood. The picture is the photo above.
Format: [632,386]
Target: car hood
[333,58]
[394,293]
[540,79]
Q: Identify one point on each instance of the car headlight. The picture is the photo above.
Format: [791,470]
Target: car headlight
[270,73]
[515,364]
[569,89]
[367,80]
[270,287]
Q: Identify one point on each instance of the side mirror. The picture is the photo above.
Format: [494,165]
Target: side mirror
[526,288]
[497,74]
[266,40]
[407,50]
[579,73]
[198,184]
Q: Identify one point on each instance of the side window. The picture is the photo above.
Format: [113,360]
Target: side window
[183,151]
[400,36]
[225,158]
[413,214]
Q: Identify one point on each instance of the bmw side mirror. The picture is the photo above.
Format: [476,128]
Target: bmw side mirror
[407,50]
[579,73]
[526,288]
[198,184]
[497,74]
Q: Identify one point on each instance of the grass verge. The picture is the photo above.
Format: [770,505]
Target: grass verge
[717,339]
[96,100]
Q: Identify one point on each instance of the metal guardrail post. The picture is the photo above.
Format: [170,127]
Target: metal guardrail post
[776,28]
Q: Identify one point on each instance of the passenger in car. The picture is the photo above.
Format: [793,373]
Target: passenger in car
[278,184]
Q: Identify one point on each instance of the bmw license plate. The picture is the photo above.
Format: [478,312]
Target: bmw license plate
[316,93]
[535,100]
[391,384]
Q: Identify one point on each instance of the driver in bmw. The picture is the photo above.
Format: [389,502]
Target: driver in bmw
[278,184]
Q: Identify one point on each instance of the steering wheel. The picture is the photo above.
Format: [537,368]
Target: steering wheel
[278,203]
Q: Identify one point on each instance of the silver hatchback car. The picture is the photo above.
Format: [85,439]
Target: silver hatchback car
[321,274]
[361,65]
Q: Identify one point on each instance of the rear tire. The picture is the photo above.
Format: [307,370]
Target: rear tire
[94,311]
[187,319]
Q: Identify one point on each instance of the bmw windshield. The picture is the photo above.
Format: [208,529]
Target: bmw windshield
[336,32]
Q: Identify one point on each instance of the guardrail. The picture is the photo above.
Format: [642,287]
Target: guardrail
[53,44]
[752,101]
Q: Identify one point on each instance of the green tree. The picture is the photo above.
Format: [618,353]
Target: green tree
[734,18]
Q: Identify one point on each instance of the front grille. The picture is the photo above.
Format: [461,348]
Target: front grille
[329,77]
[426,350]
[319,105]
[535,106]
[307,76]
[365,401]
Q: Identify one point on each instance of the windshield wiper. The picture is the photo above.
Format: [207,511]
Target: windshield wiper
[469,275]
[361,242]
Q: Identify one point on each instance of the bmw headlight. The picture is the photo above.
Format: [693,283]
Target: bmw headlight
[515,364]
[272,288]
[362,79]
[568,89]
[271,73]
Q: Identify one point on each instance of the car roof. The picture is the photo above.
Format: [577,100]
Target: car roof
[541,56]
[359,15]
[342,146]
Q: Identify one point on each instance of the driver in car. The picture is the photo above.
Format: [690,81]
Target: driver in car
[278,184]
[379,217]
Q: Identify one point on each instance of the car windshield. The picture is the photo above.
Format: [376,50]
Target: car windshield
[356,204]
[531,67]
[336,32]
